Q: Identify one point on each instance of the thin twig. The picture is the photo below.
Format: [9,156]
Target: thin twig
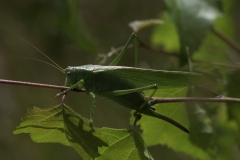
[109,54]
[146,46]
[228,41]
[156,100]
[157,50]
[208,90]
[221,64]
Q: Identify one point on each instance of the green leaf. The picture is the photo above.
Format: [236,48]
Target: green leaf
[160,132]
[124,145]
[227,135]
[44,125]
[214,50]
[233,91]
[199,124]
[165,35]
[193,20]
[82,136]
[70,21]
[60,124]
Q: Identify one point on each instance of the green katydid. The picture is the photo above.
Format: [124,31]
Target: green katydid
[125,85]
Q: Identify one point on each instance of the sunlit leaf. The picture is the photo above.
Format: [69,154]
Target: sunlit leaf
[44,125]
[82,136]
[156,131]
[193,20]
[165,35]
[201,132]
[124,145]
[60,124]
[227,135]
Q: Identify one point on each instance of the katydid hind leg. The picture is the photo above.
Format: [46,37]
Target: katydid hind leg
[117,59]
[136,50]
[151,112]
[137,114]
[149,97]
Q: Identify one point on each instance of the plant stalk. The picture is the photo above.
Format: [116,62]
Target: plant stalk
[154,100]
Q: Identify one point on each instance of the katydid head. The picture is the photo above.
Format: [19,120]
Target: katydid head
[75,74]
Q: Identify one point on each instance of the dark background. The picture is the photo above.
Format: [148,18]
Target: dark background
[106,22]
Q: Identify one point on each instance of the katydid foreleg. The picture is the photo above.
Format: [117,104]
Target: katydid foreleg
[78,85]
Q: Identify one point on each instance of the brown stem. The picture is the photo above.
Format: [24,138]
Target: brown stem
[157,50]
[5,81]
[144,45]
[222,64]
[154,100]
[109,54]
[230,42]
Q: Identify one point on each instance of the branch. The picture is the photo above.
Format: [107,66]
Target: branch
[146,46]
[115,50]
[154,100]
[228,41]
[5,81]
[157,50]
[222,64]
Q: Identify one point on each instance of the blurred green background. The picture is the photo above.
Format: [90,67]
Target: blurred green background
[42,24]
[72,33]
